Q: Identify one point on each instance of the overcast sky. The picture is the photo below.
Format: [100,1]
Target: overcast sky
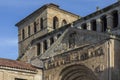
[12,11]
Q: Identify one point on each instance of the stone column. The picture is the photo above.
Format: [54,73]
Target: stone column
[99,25]
[79,26]
[88,26]
[55,38]
[109,21]
[48,43]
[119,18]
[41,48]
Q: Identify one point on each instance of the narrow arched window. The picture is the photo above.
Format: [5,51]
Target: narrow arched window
[93,25]
[64,22]
[115,18]
[38,49]
[72,40]
[51,40]
[23,34]
[84,26]
[55,23]
[41,23]
[35,27]
[58,35]
[45,45]
[104,23]
[28,31]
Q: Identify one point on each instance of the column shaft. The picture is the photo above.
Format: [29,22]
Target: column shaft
[119,18]
[109,21]
[41,48]
[48,43]
[55,38]
[88,26]
[99,25]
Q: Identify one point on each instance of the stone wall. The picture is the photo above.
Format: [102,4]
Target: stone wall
[96,63]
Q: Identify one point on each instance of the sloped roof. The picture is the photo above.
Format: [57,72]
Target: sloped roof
[90,36]
[98,12]
[41,9]
[16,64]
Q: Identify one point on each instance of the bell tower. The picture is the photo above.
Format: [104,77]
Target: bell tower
[46,19]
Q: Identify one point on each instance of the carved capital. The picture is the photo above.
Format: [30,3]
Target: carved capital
[98,20]
[109,15]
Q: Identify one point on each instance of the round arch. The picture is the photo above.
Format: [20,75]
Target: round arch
[77,72]
[55,22]
[64,22]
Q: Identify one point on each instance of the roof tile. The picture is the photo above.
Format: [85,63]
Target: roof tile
[16,64]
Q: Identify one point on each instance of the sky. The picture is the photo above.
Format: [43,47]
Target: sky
[12,11]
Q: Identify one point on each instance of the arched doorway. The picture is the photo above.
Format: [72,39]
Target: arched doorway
[77,72]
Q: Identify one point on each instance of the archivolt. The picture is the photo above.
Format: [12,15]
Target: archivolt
[77,72]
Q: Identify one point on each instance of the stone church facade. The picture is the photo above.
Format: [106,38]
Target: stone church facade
[55,44]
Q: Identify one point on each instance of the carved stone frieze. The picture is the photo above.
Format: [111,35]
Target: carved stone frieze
[73,56]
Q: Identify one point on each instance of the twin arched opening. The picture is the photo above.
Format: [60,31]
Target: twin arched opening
[56,22]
